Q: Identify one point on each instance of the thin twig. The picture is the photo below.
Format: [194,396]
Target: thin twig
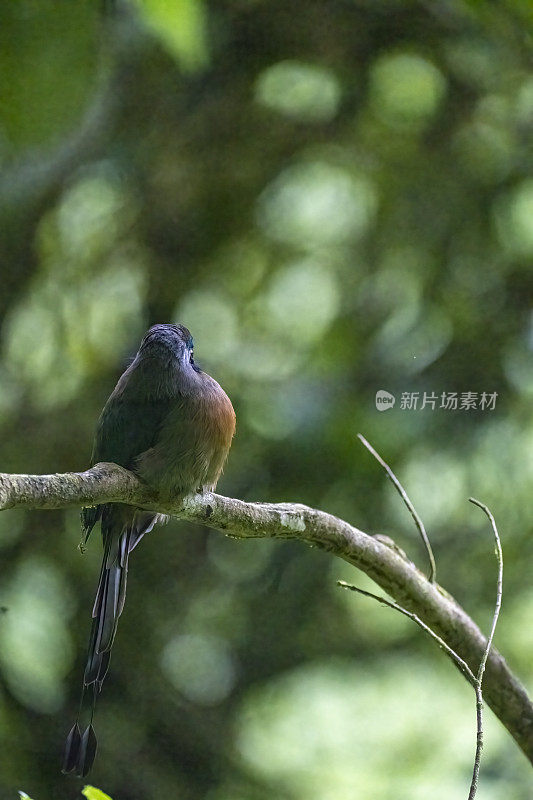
[463,666]
[432,577]
[481,670]
[475,680]
[499,556]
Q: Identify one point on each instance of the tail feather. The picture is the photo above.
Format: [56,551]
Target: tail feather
[111,591]
[107,613]
[143,523]
[96,668]
[89,518]
[120,534]
[122,588]
[105,658]
[108,605]
[94,659]
[124,550]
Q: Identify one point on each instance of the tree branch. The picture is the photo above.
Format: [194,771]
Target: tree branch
[382,562]
[432,577]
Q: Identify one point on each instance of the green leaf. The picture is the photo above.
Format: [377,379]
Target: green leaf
[92,793]
[23,795]
[180,25]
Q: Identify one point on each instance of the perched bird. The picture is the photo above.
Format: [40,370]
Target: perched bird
[172,425]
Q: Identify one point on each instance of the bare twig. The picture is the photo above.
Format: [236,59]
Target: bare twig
[481,670]
[463,666]
[475,680]
[432,577]
[499,556]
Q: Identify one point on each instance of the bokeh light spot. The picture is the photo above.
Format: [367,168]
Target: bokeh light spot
[405,88]
[314,732]
[410,340]
[36,651]
[514,218]
[90,215]
[201,667]
[316,203]
[307,92]
[212,321]
[302,301]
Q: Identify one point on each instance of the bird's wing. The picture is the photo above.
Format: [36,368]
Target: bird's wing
[126,429]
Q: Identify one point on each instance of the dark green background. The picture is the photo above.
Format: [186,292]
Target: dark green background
[337,198]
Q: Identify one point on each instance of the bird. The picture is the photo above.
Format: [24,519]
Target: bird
[172,425]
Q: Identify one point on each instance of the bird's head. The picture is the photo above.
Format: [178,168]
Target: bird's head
[170,344]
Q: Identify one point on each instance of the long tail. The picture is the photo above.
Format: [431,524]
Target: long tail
[119,541]
[108,605]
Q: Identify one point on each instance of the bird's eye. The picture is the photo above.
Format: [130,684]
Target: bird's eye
[191,355]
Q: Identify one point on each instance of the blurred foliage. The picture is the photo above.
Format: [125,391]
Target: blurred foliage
[337,198]
[180,27]
[90,792]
